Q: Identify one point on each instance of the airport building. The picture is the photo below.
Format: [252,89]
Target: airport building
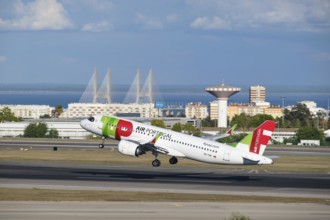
[196,110]
[29,111]
[79,110]
[68,130]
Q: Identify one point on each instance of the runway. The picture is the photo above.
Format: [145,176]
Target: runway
[270,151]
[162,179]
[176,179]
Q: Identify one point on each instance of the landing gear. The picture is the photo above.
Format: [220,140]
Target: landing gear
[102,144]
[173,160]
[156,163]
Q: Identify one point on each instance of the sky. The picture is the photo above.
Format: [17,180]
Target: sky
[191,42]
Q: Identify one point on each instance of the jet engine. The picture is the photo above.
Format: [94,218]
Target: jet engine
[130,148]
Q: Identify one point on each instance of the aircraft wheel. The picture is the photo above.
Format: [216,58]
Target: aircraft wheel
[101,145]
[173,160]
[156,163]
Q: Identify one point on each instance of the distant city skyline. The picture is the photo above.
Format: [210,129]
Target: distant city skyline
[284,42]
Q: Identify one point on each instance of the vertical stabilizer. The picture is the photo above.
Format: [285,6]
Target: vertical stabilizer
[256,142]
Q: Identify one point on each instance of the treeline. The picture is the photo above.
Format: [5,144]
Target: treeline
[40,130]
[300,116]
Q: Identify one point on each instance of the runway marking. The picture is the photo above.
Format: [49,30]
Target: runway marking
[254,171]
[94,178]
[269,172]
[151,180]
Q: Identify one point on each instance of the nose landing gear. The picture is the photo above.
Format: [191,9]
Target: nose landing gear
[102,144]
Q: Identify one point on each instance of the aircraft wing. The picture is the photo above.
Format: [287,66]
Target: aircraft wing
[152,145]
[220,136]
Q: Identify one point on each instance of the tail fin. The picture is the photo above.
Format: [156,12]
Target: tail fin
[256,142]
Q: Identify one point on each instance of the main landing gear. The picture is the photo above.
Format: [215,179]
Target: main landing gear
[156,162]
[173,160]
[102,144]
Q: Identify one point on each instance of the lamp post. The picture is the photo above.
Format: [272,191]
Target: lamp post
[283,97]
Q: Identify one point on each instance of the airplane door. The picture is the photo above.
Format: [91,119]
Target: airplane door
[226,155]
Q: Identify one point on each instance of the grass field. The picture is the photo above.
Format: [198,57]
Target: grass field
[9,194]
[306,164]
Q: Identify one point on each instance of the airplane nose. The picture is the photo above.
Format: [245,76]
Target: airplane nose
[83,123]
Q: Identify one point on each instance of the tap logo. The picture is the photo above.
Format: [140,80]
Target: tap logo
[124,129]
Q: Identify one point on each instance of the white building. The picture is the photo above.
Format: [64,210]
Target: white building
[280,136]
[70,130]
[257,94]
[309,143]
[196,110]
[78,110]
[29,111]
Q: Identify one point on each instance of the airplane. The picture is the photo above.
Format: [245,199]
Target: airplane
[136,139]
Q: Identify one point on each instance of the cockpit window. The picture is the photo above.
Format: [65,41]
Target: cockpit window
[91,119]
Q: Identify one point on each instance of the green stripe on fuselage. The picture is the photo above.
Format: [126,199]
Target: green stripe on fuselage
[109,126]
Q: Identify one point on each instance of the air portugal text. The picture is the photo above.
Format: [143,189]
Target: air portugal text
[152,132]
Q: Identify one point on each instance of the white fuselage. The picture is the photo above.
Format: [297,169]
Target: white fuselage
[183,145]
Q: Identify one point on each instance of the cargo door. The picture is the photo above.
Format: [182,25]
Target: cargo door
[226,155]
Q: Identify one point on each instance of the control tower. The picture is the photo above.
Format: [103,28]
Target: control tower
[222,92]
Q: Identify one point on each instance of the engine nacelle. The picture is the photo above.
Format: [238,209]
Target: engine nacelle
[130,148]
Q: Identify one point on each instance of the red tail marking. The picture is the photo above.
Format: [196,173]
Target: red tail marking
[259,138]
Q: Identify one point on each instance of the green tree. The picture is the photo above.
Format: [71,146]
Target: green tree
[45,116]
[299,116]
[7,115]
[53,133]
[293,140]
[309,133]
[158,123]
[243,121]
[36,130]
[190,129]
[177,127]
[208,122]
[58,110]
[259,119]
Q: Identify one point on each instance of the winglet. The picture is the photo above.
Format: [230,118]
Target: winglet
[231,130]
